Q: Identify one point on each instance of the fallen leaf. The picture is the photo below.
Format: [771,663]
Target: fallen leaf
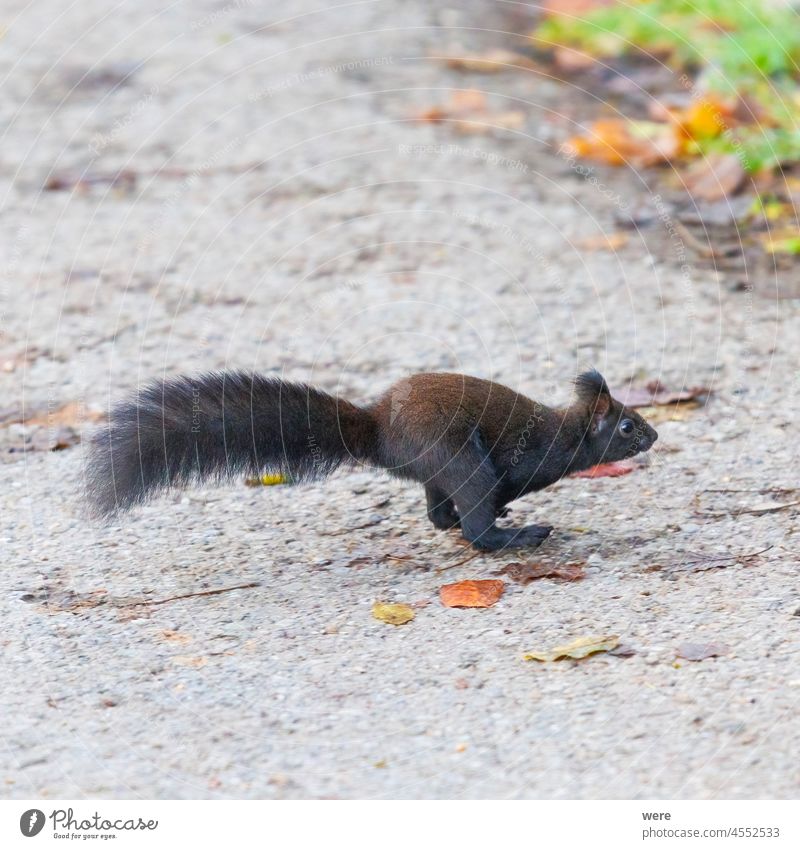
[124,179]
[175,637]
[680,412]
[392,614]
[605,242]
[467,111]
[471,593]
[715,177]
[577,649]
[524,573]
[606,470]
[267,480]
[571,60]
[46,440]
[655,394]
[704,118]
[700,651]
[615,141]
[785,241]
[70,414]
[490,62]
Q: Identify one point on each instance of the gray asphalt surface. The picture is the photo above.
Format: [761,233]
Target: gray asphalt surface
[279,210]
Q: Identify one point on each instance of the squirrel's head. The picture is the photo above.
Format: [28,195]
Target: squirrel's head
[612,430]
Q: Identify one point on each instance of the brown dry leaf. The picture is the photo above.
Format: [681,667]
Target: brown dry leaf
[490,62]
[175,637]
[46,440]
[125,180]
[655,394]
[524,573]
[615,141]
[700,651]
[70,414]
[577,649]
[392,614]
[606,470]
[672,413]
[605,242]
[510,120]
[471,593]
[715,177]
[468,112]
[190,662]
[571,60]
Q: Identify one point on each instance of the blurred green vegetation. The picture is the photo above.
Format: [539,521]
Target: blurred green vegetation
[746,48]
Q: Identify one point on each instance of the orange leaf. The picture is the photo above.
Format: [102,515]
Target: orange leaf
[604,242]
[705,117]
[606,470]
[471,593]
[619,142]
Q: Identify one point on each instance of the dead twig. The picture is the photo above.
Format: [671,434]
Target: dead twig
[727,557]
[756,511]
[148,603]
[762,491]
[459,562]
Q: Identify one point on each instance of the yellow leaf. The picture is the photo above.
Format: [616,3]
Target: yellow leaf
[704,119]
[392,614]
[577,649]
[267,480]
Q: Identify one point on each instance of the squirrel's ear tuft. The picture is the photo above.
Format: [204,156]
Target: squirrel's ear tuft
[592,390]
[590,385]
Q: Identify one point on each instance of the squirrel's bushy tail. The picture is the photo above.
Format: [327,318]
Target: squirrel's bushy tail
[190,429]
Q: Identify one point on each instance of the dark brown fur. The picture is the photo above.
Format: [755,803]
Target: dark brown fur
[474,445]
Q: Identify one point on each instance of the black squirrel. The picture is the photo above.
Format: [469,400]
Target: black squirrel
[474,445]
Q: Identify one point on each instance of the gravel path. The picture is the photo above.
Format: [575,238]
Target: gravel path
[276,208]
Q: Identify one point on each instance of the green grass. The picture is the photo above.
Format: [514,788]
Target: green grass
[750,48]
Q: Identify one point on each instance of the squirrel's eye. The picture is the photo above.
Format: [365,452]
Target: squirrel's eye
[626,427]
